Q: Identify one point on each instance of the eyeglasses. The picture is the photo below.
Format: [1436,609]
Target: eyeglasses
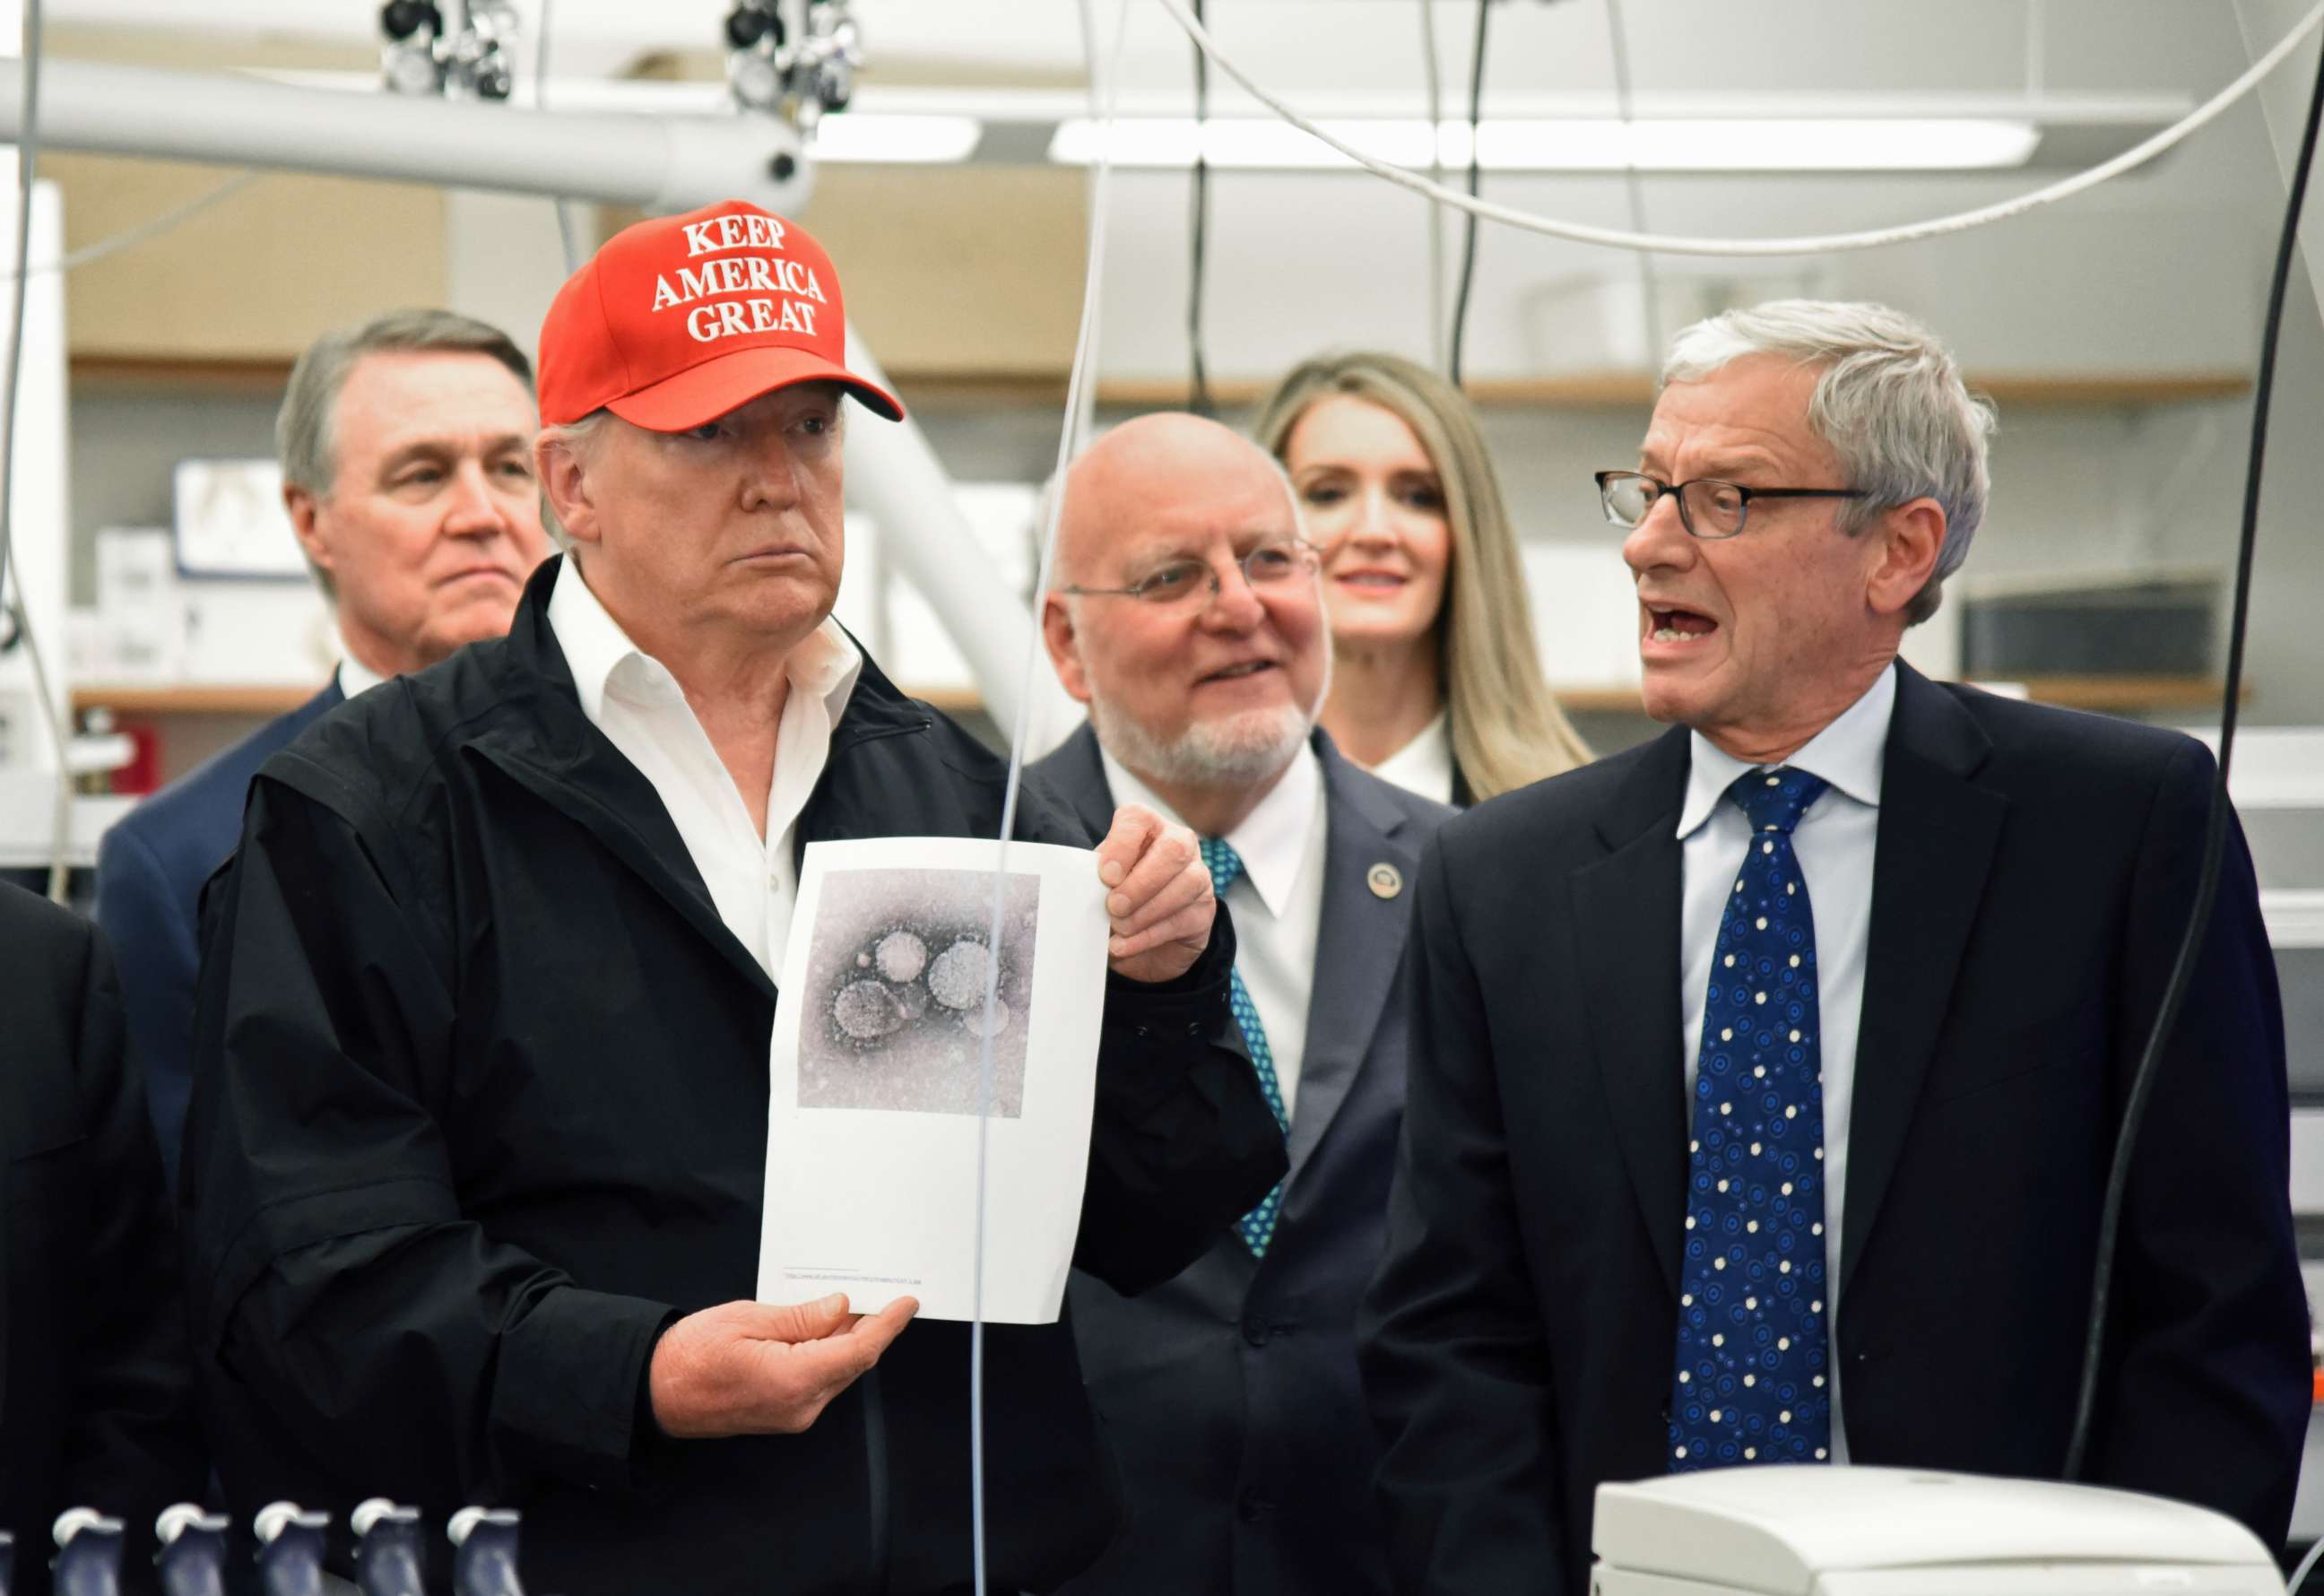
[1273,566]
[1707,506]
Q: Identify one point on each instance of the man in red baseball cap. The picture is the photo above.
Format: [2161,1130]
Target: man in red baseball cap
[478,1138]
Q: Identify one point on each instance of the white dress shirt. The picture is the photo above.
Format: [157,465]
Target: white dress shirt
[633,699]
[356,677]
[1278,902]
[1834,843]
[1425,764]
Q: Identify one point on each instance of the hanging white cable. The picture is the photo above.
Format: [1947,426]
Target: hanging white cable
[568,235]
[1435,175]
[1104,90]
[1674,244]
[1634,184]
[151,228]
[28,151]
[2037,47]
[2307,1564]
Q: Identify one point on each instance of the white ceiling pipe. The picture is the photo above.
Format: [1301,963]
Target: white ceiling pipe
[894,477]
[662,163]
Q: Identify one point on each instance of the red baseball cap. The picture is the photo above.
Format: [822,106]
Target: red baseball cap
[679,319]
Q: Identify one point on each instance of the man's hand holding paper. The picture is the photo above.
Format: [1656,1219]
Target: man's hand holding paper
[757,1369]
[1159,898]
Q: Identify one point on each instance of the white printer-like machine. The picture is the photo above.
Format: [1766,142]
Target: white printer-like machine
[1818,1531]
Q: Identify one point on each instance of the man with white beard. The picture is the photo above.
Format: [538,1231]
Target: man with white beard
[1188,614]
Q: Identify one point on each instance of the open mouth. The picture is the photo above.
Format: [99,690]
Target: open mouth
[1247,668]
[1674,625]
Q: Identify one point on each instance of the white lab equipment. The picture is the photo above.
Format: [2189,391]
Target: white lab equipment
[1813,1531]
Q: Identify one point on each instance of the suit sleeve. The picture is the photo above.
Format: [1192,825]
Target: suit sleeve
[152,931]
[1456,1369]
[1181,1143]
[2208,1385]
[336,1276]
[133,1443]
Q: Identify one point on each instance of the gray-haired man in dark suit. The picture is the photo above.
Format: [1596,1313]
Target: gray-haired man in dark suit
[406,447]
[1189,617]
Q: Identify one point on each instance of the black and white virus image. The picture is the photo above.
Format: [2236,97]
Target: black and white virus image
[896,1017]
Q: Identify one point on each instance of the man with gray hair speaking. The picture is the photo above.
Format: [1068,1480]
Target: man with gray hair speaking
[1190,619]
[1765,1079]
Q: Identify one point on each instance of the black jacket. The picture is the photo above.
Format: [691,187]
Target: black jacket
[96,1410]
[2031,881]
[480,1107]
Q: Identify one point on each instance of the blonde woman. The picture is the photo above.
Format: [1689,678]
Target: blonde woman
[1435,684]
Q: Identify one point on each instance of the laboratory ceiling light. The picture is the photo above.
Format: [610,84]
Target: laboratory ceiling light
[1569,143]
[905,140]
[936,126]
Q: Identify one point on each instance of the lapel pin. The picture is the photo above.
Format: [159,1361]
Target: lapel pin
[1385,880]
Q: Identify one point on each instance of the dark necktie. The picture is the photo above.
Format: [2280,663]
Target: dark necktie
[1751,1382]
[1257,1226]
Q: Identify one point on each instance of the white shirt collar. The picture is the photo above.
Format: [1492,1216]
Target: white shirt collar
[1271,841]
[1847,754]
[356,677]
[603,659]
[1425,764]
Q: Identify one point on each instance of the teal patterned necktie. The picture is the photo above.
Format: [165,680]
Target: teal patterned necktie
[1257,1226]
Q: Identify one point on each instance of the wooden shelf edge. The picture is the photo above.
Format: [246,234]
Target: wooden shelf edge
[2129,693]
[1578,391]
[254,376]
[257,375]
[250,698]
[2113,694]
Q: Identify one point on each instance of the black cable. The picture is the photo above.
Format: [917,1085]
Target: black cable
[1198,385]
[2215,831]
[1468,224]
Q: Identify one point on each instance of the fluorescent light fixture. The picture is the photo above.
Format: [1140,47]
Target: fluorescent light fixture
[1252,142]
[1856,132]
[923,141]
[922,138]
[1572,143]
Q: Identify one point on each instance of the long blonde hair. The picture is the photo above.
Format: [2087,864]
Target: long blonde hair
[1506,727]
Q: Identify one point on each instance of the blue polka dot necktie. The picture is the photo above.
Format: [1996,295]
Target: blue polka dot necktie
[1750,1381]
[1257,1226]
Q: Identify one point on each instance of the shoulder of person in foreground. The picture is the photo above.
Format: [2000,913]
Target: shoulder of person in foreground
[2076,746]
[377,751]
[1551,825]
[102,1320]
[1043,813]
[1385,799]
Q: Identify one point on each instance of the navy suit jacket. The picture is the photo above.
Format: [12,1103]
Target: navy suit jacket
[1229,1393]
[149,870]
[2031,881]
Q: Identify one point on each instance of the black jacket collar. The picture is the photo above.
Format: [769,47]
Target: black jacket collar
[543,738]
